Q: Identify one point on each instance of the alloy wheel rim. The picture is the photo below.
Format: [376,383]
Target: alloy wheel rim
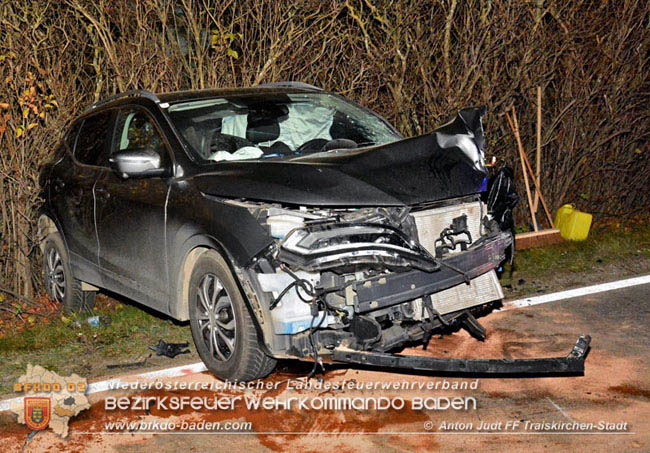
[216,318]
[55,275]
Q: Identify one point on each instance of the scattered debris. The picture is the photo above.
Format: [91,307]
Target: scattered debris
[170,350]
[97,321]
[94,321]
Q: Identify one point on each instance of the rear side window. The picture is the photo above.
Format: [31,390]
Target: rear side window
[136,130]
[91,141]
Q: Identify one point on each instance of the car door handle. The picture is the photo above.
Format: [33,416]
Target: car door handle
[102,192]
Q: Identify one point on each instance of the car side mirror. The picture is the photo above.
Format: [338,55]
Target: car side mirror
[137,163]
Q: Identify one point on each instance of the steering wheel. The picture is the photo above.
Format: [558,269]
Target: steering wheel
[322,144]
[314,145]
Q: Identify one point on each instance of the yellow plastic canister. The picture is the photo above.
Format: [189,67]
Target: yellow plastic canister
[573,224]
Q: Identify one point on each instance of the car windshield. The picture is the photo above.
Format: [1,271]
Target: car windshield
[275,125]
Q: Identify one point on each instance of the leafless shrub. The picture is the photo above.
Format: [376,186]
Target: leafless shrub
[415,62]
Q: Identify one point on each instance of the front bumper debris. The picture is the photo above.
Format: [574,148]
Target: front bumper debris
[384,291]
[572,364]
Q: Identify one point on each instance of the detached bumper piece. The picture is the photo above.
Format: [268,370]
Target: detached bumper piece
[573,364]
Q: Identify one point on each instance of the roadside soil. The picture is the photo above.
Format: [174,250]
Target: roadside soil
[615,388]
[527,283]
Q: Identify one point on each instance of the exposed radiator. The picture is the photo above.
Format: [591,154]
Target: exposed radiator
[481,290]
[431,222]
[484,288]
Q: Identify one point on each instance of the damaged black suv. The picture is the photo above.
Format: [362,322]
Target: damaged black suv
[282,221]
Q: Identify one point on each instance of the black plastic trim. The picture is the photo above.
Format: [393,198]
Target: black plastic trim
[572,364]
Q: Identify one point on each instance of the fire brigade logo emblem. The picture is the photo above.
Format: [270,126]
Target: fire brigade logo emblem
[37,412]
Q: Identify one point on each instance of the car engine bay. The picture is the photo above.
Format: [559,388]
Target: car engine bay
[376,279]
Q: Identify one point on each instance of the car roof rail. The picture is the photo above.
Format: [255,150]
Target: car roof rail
[126,94]
[290,84]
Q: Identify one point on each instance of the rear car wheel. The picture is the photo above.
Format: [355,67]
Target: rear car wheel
[222,327]
[60,284]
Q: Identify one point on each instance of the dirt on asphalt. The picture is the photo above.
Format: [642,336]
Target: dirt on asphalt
[615,388]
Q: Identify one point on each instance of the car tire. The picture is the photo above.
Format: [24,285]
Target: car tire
[222,326]
[60,283]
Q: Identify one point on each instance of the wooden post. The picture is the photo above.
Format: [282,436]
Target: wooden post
[538,156]
[514,124]
[539,190]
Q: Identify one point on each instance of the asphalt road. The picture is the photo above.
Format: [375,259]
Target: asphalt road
[615,389]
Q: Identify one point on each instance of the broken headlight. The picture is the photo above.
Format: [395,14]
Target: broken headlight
[344,245]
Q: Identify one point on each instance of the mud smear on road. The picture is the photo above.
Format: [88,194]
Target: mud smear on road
[268,425]
[613,388]
[630,389]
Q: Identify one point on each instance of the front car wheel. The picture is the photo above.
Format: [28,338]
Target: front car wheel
[222,327]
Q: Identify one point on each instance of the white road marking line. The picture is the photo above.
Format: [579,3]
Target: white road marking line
[182,370]
[199,367]
[568,294]
[557,406]
[103,386]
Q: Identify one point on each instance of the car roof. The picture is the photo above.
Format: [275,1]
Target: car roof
[186,95]
[271,88]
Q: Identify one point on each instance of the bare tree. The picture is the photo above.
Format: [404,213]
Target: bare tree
[415,62]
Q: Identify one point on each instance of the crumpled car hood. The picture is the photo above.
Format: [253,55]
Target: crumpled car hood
[443,164]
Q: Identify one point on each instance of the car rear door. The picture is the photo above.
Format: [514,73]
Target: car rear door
[131,215]
[71,192]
